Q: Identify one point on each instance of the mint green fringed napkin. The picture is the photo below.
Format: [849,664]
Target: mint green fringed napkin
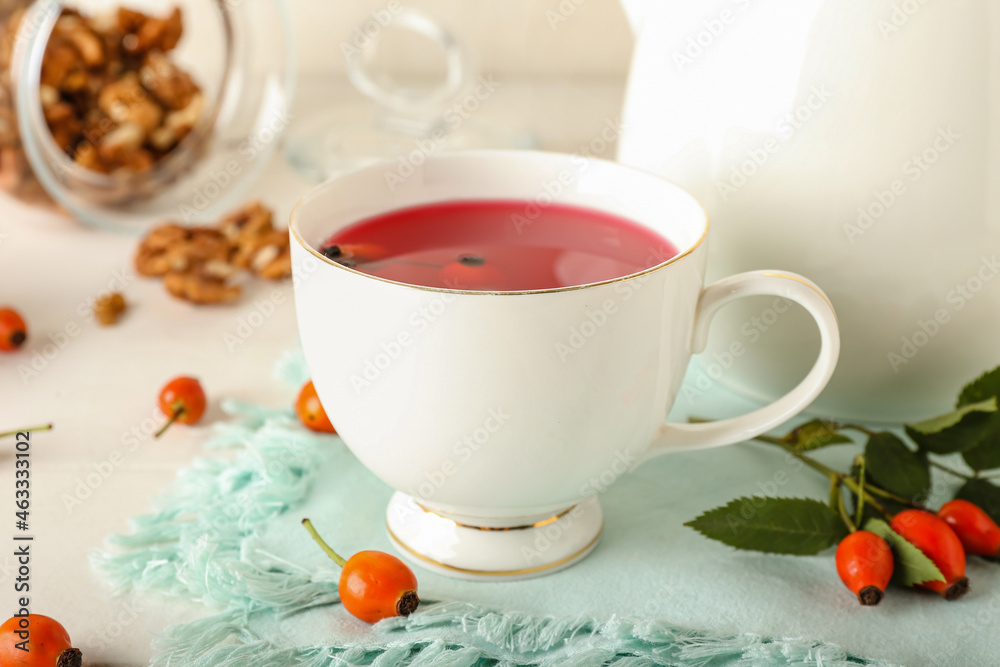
[228,533]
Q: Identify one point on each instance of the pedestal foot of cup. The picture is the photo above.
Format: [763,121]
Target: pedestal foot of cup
[466,550]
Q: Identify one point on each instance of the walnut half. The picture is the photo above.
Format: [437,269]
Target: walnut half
[197,287]
[197,263]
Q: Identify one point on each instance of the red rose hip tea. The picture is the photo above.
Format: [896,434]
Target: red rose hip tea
[494,246]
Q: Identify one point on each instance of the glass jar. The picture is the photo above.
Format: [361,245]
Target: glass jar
[239,54]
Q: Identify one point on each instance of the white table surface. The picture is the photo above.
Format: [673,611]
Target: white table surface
[104,381]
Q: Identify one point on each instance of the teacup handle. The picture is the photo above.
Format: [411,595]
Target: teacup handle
[676,437]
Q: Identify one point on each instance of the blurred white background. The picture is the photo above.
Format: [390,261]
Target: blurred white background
[590,38]
[562,65]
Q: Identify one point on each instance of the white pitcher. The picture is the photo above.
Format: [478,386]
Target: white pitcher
[855,141]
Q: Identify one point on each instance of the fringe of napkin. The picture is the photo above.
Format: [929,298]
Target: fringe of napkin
[495,638]
[193,545]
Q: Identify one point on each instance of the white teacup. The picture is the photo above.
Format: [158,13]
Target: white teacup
[496,417]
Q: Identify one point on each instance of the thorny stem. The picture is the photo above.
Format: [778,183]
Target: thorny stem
[334,556]
[856,427]
[812,463]
[842,510]
[834,493]
[892,496]
[828,471]
[7,434]
[861,499]
[863,493]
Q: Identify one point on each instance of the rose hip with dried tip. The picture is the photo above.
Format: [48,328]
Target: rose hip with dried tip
[13,330]
[938,541]
[355,253]
[373,584]
[48,643]
[865,565]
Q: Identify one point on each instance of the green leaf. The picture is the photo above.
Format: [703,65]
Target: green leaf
[986,454]
[912,567]
[982,493]
[985,386]
[795,526]
[956,431]
[892,466]
[815,435]
[938,424]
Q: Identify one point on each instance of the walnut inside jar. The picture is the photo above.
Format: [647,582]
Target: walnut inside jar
[16,176]
[113,98]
